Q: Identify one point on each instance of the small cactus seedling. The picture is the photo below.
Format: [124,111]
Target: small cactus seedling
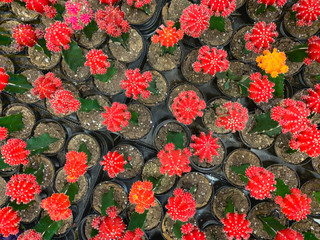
[97,61]
[111,20]
[236,226]
[113,163]
[142,195]
[45,86]
[57,206]
[261,37]
[296,206]
[116,117]
[79,14]
[292,116]
[168,37]
[22,188]
[195,19]
[307,141]
[187,106]
[260,89]
[9,221]
[25,36]
[136,83]
[205,146]
[232,116]
[58,36]
[142,4]
[174,161]
[181,206]
[306,12]
[76,165]
[63,102]
[211,61]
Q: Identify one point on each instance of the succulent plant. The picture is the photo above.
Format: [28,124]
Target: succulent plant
[307,11]
[97,61]
[63,102]
[205,146]
[14,152]
[57,206]
[9,221]
[142,195]
[116,117]
[58,36]
[76,165]
[236,226]
[78,14]
[136,83]
[113,163]
[46,85]
[260,89]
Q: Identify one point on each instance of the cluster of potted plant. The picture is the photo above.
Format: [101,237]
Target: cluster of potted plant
[118,123]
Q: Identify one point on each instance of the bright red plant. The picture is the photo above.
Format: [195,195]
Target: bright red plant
[22,188]
[76,165]
[307,141]
[260,89]
[3,133]
[58,36]
[291,115]
[279,3]
[9,221]
[187,106]
[137,234]
[111,20]
[78,14]
[4,79]
[110,226]
[205,146]
[261,182]
[211,61]
[97,61]
[220,7]
[236,226]
[46,85]
[232,116]
[42,6]
[307,11]
[167,36]
[113,163]
[14,152]
[57,206]
[261,37]
[63,102]
[142,195]
[136,83]
[191,232]
[116,117]
[174,161]
[288,234]
[313,50]
[296,206]
[30,234]
[195,19]
[181,206]
[138,3]
[313,99]
[25,36]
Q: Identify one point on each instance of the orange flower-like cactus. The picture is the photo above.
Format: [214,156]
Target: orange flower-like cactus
[57,206]
[76,165]
[167,36]
[142,195]
[273,62]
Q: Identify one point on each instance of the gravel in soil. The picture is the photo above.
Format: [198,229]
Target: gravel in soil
[309,188]
[55,130]
[23,13]
[88,225]
[9,26]
[281,146]
[48,168]
[160,138]
[97,39]
[153,217]
[173,10]
[310,73]
[203,187]
[41,60]
[163,62]
[7,64]
[28,119]
[264,209]
[91,144]
[188,71]
[120,196]
[29,214]
[138,16]
[220,201]
[239,157]
[93,120]
[304,32]
[61,181]
[136,161]
[152,169]
[135,46]
[216,231]
[113,86]
[267,16]
[307,225]
[3,188]
[161,88]
[28,97]
[255,140]
[144,122]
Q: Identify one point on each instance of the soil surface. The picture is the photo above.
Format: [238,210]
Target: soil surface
[138,16]
[267,16]
[31,75]
[309,188]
